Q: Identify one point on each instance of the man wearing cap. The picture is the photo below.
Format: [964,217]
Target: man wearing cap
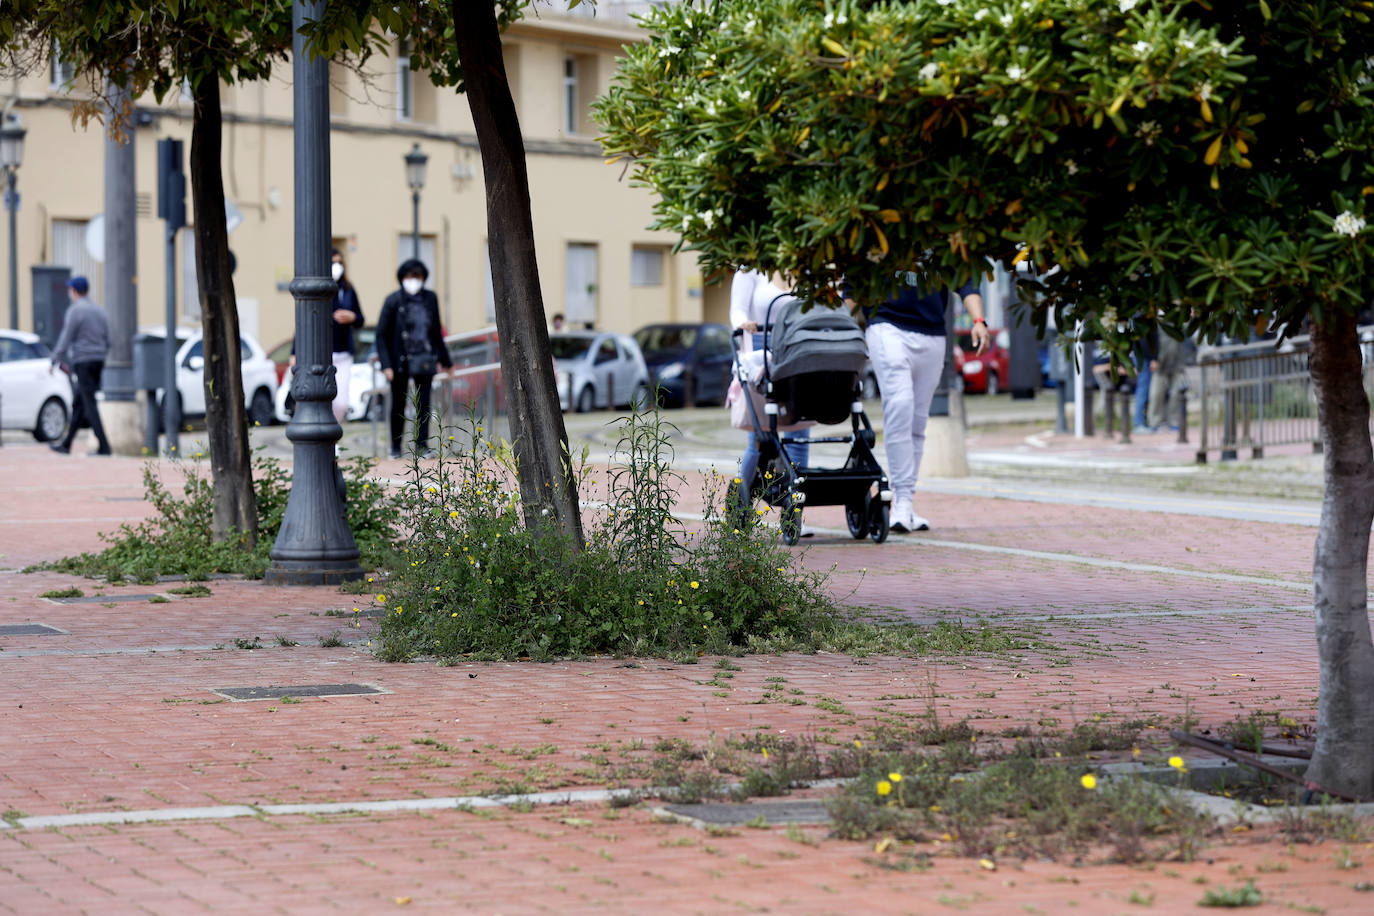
[83,345]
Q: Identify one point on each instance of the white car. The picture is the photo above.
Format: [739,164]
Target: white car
[259,375]
[366,400]
[30,397]
[598,369]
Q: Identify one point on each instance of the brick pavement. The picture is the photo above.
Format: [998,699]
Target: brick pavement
[119,715]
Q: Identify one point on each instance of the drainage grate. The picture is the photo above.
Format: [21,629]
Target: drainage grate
[105,599]
[306,690]
[30,629]
[735,815]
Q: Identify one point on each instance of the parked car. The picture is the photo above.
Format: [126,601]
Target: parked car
[986,373]
[679,355]
[364,401]
[469,390]
[598,369]
[259,375]
[30,397]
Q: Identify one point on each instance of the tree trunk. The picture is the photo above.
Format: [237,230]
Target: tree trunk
[226,418]
[1343,760]
[544,468]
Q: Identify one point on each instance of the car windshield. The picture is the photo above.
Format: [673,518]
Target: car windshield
[570,347]
[655,339]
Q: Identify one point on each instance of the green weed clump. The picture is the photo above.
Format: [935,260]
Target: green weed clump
[475,582]
[177,539]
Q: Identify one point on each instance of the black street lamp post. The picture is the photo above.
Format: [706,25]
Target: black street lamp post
[315,545]
[11,157]
[415,178]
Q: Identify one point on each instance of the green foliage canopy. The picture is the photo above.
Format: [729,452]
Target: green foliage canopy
[1197,164]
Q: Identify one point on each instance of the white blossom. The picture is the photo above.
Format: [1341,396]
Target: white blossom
[669,50]
[1001,121]
[1128,5]
[1071,167]
[707,218]
[929,70]
[1348,224]
[978,16]
[1148,131]
[1005,19]
[1141,48]
[1204,91]
[745,95]
[1015,72]
[1187,43]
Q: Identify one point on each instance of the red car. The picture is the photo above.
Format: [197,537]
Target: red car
[987,373]
[475,348]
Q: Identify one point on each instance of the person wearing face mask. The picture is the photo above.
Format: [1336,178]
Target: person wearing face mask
[410,345]
[348,317]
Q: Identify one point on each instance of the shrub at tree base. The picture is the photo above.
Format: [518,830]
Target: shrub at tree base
[474,582]
[177,539]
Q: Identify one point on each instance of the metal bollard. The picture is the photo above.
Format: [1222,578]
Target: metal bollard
[1183,416]
[1087,411]
[689,394]
[1127,404]
[1109,411]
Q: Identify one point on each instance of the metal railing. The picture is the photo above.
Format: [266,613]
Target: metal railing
[1257,395]
[452,401]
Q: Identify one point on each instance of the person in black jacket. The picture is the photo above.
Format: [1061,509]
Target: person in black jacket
[347,318]
[410,345]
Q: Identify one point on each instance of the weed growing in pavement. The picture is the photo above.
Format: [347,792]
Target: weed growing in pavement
[194,590]
[475,582]
[1245,895]
[332,641]
[72,592]
[177,539]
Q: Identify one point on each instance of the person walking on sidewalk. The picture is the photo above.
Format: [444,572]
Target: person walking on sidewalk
[751,294]
[410,345]
[906,342]
[83,345]
[1166,383]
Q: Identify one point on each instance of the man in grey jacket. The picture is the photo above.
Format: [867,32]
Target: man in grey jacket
[83,344]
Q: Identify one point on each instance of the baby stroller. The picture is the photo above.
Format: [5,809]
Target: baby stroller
[812,362]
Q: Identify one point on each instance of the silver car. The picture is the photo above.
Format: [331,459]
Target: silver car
[598,369]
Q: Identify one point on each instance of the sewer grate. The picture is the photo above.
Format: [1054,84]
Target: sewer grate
[30,629]
[300,690]
[735,815]
[106,599]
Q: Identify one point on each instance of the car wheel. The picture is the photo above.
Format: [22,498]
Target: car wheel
[586,400]
[52,421]
[991,388]
[260,411]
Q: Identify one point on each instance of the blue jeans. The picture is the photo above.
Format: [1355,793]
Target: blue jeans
[799,452]
[1142,390]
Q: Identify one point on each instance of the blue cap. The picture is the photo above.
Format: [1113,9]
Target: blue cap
[80,285]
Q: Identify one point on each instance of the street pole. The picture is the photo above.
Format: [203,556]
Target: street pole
[171,207]
[314,545]
[415,229]
[121,276]
[12,205]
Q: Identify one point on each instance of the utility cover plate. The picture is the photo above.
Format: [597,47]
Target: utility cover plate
[736,815]
[303,690]
[30,629]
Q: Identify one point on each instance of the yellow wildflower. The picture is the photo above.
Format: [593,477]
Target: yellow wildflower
[1089,781]
[1176,762]
[894,777]
[695,584]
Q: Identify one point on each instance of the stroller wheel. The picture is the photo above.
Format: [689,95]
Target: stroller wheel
[878,518]
[856,514]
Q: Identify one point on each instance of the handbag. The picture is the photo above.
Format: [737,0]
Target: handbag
[418,364]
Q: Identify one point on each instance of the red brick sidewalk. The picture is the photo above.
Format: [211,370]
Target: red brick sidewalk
[119,715]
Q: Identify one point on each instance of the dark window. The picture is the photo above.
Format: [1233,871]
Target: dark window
[606,352]
[570,347]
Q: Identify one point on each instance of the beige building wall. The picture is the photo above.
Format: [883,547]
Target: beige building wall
[577,199]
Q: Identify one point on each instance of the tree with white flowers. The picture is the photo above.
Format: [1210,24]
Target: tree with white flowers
[1200,167]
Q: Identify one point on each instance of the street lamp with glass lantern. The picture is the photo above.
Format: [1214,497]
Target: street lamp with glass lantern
[11,157]
[415,178]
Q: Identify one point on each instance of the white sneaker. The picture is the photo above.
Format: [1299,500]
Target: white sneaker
[918,523]
[900,516]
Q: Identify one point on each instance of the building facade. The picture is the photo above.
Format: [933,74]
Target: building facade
[598,262]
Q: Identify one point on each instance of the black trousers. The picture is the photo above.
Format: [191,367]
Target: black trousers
[400,397]
[84,412]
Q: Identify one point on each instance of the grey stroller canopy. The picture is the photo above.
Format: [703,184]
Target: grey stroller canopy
[821,339]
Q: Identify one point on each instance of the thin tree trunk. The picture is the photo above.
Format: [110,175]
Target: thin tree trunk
[226,418]
[1343,760]
[544,468]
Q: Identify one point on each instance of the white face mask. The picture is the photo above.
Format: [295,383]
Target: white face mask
[412,285]
[337,270]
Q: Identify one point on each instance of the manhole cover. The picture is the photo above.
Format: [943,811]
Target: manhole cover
[105,599]
[735,815]
[300,690]
[30,629]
